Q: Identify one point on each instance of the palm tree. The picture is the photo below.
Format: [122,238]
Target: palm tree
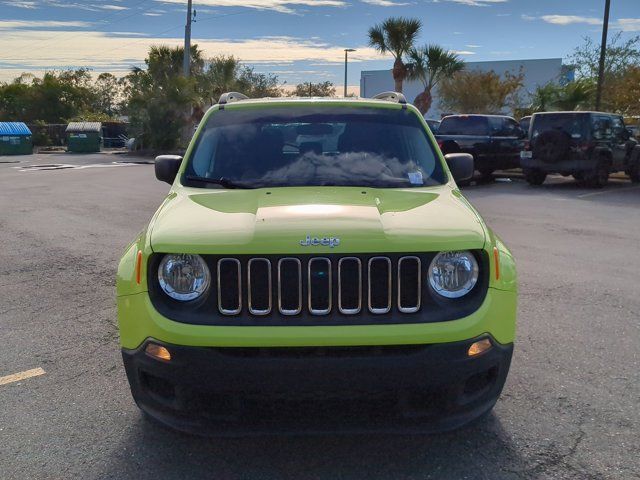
[545,97]
[575,95]
[429,65]
[396,35]
[220,75]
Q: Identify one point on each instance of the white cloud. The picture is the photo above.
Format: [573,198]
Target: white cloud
[464,52]
[384,3]
[473,46]
[73,5]
[118,52]
[570,19]
[112,7]
[30,5]
[128,34]
[38,24]
[474,3]
[629,24]
[282,6]
[624,24]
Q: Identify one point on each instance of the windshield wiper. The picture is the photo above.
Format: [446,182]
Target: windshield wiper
[223,182]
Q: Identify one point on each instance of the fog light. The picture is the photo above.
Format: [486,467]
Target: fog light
[158,352]
[479,347]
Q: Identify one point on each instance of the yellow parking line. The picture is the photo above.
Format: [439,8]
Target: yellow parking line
[16,377]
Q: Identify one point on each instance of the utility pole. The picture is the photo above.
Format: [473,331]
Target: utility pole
[186,65]
[346,54]
[603,52]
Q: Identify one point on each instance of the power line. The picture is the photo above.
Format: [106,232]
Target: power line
[137,41]
[81,32]
[158,34]
[143,39]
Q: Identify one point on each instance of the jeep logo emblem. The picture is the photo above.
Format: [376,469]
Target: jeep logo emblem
[315,241]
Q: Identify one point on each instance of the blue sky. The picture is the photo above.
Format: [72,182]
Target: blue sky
[299,40]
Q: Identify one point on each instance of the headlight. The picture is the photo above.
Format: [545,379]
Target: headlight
[453,274]
[184,277]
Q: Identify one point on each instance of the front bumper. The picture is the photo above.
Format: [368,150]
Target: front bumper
[236,391]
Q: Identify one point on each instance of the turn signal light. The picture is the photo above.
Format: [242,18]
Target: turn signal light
[158,352]
[479,347]
[139,267]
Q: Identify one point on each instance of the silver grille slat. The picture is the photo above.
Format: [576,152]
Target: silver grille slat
[312,310]
[387,308]
[349,311]
[252,310]
[282,310]
[416,306]
[227,311]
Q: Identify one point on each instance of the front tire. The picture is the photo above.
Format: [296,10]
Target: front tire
[534,176]
[486,174]
[634,174]
[599,176]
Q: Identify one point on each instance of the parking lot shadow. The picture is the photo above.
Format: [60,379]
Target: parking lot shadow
[482,450]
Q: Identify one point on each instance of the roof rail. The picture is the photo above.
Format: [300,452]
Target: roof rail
[394,97]
[230,97]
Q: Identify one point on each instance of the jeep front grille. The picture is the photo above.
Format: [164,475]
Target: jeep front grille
[328,289]
[311,285]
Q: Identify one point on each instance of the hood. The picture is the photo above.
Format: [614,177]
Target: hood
[313,220]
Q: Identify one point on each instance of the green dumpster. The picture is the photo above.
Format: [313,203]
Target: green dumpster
[15,139]
[84,137]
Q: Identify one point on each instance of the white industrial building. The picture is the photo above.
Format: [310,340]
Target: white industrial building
[536,72]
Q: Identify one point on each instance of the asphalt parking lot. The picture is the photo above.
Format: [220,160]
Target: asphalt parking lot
[570,409]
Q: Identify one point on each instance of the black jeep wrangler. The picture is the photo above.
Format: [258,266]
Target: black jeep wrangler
[587,145]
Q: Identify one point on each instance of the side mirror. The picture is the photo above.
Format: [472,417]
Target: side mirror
[627,133]
[167,167]
[461,166]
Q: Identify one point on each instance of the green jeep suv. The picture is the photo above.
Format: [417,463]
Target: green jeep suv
[315,267]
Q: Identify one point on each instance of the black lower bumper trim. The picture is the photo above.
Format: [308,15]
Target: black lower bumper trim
[239,391]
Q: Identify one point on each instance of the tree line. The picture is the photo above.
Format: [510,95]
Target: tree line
[158,100]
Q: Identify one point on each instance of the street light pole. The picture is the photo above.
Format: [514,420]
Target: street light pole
[186,65]
[346,56]
[603,52]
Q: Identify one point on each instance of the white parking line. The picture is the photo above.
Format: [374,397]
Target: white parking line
[67,166]
[602,192]
[16,377]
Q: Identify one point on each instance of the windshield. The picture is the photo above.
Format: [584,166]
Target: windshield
[571,123]
[464,125]
[314,146]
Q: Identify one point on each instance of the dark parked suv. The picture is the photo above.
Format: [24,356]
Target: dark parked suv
[494,141]
[587,145]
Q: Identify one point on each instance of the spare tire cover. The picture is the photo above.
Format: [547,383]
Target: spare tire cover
[552,146]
